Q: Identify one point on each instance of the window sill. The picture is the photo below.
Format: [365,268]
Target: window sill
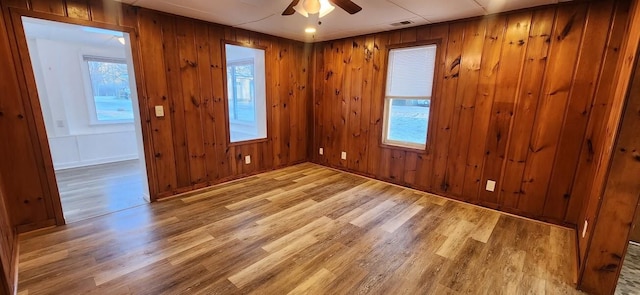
[419,150]
[245,142]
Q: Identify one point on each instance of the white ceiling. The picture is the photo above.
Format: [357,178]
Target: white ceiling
[377,15]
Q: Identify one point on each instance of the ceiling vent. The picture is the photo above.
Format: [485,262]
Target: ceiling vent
[402,23]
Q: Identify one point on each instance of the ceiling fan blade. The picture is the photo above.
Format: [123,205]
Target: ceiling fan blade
[290,10]
[347,5]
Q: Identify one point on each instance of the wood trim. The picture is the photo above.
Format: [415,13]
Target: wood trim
[248,142]
[36,225]
[36,120]
[434,94]
[16,264]
[267,98]
[602,263]
[33,100]
[206,186]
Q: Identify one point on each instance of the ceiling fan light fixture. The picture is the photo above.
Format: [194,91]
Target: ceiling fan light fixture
[325,7]
[307,7]
[311,6]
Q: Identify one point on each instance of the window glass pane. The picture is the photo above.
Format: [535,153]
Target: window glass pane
[246,93]
[111,90]
[408,120]
[410,71]
[240,85]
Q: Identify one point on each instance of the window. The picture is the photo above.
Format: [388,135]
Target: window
[407,99]
[246,93]
[110,90]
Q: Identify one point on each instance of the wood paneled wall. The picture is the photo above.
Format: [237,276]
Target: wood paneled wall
[612,228]
[185,74]
[179,65]
[8,247]
[520,99]
[615,196]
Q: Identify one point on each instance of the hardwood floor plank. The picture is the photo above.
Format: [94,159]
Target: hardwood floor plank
[243,277]
[314,283]
[90,191]
[304,229]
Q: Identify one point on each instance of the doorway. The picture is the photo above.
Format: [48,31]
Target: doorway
[86,85]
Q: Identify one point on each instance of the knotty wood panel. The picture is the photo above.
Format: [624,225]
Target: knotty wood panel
[616,190]
[179,65]
[513,100]
[8,246]
[635,232]
[597,142]
[619,203]
[27,191]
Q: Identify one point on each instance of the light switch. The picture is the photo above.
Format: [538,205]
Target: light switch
[491,185]
[159,111]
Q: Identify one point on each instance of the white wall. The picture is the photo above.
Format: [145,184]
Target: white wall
[74,141]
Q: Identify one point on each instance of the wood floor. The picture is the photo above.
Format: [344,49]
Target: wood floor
[304,229]
[92,191]
[629,280]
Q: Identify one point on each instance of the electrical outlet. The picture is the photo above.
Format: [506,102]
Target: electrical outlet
[584,228]
[321,151]
[159,111]
[343,155]
[247,159]
[491,185]
[60,123]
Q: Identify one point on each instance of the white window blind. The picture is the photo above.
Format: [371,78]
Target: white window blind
[410,72]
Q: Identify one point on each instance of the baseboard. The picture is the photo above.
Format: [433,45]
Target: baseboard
[16,263]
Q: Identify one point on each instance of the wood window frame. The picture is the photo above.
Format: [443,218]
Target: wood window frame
[434,94]
[226,93]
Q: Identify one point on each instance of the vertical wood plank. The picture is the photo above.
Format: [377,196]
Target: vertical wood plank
[578,110]
[444,105]
[48,6]
[203,47]
[560,71]
[155,83]
[592,142]
[354,137]
[484,102]
[377,103]
[78,9]
[532,76]
[474,35]
[174,87]
[509,73]
[221,134]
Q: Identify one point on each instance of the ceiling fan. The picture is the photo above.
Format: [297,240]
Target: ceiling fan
[323,7]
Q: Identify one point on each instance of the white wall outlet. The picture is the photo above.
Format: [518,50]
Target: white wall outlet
[60,123]
[247,159]
[491,185]
[159,111]
[321,151]
[584,228]
[343,155]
